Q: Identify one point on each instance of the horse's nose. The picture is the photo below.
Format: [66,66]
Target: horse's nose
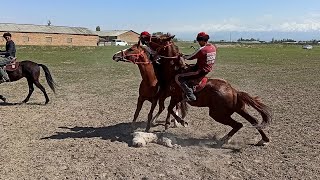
[115,57]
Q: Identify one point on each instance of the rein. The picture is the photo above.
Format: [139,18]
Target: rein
[163,47]
[169,43]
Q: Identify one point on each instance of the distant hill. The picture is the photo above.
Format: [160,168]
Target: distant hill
[263,36]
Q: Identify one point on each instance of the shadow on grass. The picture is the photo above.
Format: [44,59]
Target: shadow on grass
[122,133]
[119,132]
[209,142]
[9,104]
[20,103]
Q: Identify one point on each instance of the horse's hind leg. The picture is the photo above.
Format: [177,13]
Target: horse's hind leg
[171,106]
[3,98]
[254,122]
[226,120]
[31,89]
[37,83]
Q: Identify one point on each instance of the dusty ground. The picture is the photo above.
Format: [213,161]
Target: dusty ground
[84,133]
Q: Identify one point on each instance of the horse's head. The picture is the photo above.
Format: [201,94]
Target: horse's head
[163,44]
[136,54]
[166,49]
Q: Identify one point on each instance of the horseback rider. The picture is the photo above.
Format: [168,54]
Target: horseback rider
[145,39]
[205,56]
[6,57]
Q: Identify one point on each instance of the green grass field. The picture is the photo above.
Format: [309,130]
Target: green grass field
[268,64]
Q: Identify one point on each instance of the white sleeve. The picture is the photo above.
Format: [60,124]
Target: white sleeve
[150,51]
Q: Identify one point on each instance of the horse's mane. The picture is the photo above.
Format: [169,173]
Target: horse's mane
[163,36]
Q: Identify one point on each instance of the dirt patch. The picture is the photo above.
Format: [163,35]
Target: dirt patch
[85,133]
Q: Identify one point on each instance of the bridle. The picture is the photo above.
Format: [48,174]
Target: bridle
[134,57]
[163,47]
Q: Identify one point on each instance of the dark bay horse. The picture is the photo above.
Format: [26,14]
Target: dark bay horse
[31,71]
[149,87]
[218,95]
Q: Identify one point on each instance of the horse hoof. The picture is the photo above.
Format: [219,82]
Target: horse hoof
[185,124]
[223,141]
[166,127]
[219,144]
[262,143]
[175,123]
[147,129]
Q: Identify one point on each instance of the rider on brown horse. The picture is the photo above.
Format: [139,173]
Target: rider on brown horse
[9,54]
[145,39]
[205,56]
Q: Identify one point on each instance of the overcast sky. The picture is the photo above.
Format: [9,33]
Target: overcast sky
[175,16]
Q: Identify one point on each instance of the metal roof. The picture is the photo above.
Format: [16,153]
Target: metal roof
[31,28]
[112,32]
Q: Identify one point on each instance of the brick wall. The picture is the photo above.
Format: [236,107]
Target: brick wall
[53,39]
[130,37]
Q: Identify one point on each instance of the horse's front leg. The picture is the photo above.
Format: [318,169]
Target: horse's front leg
[136,113]
[161,108]
[153,106]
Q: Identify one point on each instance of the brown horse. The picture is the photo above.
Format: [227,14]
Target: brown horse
[31,71]
[218,95]
[149,87]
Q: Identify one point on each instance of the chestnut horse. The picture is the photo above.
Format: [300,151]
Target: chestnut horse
[218,95]
[31,71]
[149,87]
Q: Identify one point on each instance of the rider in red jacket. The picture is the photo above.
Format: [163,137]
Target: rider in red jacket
[205,56]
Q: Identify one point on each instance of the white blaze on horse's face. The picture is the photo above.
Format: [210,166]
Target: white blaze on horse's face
[119,55]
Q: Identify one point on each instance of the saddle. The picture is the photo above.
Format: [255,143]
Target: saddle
[14,64]
[198,84]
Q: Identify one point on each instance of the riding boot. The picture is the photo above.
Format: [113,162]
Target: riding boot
[188,91]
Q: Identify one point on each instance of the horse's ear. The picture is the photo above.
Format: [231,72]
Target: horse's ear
[139,43]
[170,37]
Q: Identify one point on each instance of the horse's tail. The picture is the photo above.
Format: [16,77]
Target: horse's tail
[255,102]
[49,78]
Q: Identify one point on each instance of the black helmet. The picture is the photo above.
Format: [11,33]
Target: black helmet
[6,34]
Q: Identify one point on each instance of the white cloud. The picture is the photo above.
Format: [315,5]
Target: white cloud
[309,22]
[308,25]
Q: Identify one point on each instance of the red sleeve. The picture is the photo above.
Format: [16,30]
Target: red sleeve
[195,55]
